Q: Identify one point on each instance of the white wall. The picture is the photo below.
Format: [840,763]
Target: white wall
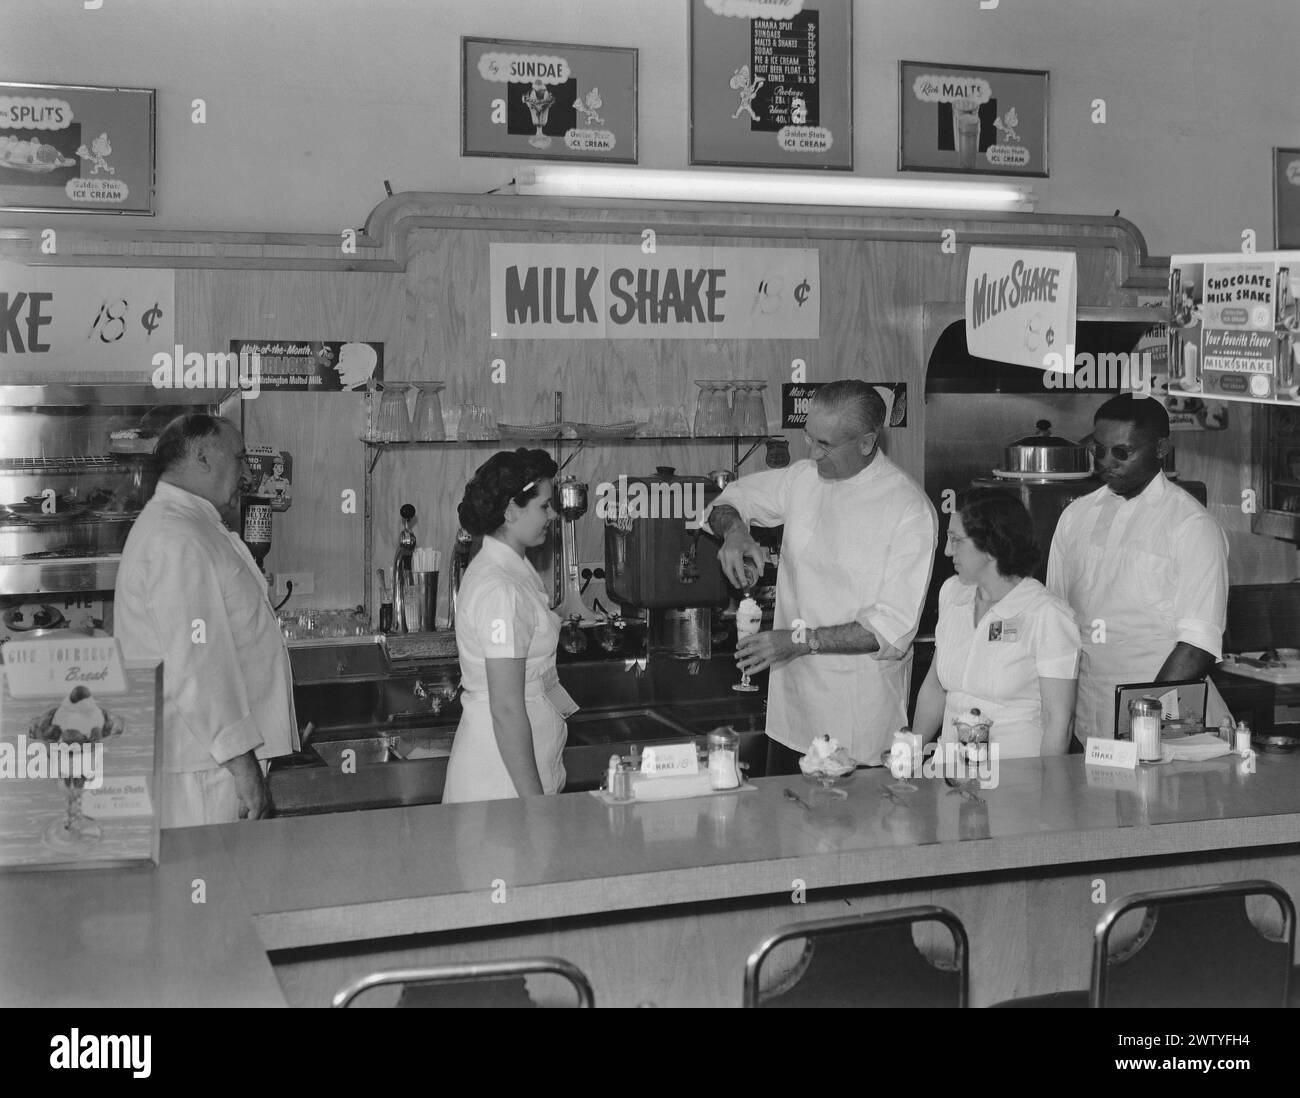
[313,103]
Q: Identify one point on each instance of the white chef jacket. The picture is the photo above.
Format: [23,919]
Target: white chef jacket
[859,550]
[502,612]
[1153,571]
[228,690]
[994,664]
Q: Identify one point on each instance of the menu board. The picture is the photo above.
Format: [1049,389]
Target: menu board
[76,149]
[80,755]
[771,83]
[1235,326]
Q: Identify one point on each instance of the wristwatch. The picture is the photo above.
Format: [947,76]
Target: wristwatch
[814,644]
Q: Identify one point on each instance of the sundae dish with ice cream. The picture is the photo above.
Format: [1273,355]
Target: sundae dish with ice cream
[972,732]
[826,757]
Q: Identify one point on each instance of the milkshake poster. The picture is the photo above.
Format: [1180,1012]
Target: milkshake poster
[1234,331]
[973,120]
[772,83]
[546,101]
[69,149]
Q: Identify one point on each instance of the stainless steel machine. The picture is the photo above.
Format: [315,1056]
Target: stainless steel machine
[70,492]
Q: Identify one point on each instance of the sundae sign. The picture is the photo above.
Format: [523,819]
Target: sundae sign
[1021,307]
[548,100]
[75,148]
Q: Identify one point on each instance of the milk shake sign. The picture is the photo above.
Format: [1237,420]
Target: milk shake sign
[581,291]
[1020,307]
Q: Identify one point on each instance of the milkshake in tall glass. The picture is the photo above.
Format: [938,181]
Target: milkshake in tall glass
[966,128]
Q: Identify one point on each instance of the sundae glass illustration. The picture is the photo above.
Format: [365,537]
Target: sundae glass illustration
[77,720]
[539,102]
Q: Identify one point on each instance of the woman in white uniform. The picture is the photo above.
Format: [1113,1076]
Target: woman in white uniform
[510,740]
[1004,645]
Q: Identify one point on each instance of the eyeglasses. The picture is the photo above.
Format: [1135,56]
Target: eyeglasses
[953,539]
[813,444]
[1119,453]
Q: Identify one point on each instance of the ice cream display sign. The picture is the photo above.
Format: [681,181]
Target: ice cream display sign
[80,754]
[548,101]
[606,291]
[1234,331]
[771,83]
[69,148]
[972,120]
[1021,307]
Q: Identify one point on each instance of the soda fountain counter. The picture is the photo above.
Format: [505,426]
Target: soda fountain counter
[655,902]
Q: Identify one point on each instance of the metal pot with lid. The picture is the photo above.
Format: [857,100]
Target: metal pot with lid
[1046,454]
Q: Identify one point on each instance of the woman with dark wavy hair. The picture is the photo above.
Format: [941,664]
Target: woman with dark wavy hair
[1004,644]
[510,741]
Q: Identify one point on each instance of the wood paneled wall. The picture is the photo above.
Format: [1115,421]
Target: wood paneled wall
[419,283]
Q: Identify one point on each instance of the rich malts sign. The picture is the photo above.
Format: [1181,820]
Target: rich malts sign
[1234,330]
[594,291]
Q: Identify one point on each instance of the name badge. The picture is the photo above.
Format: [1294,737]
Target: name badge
[1006,630]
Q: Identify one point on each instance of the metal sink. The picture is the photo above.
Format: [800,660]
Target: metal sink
[592,727]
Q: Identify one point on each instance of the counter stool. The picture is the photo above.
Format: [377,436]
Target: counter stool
[862,961]
[473,984]
[1196,947]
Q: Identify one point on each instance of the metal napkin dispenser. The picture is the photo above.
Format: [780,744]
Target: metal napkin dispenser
[656,555]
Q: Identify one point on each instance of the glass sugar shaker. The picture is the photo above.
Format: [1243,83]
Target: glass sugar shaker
[724,758]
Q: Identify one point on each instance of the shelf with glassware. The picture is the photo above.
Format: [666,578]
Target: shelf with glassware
[389,427]
[1276,461]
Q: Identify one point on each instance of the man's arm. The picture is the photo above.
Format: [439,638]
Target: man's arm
[1186,661]
[724,519]
[1200,600]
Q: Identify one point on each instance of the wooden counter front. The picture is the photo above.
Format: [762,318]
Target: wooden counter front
[662,902]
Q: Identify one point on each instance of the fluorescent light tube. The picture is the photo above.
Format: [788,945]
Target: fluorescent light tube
[585,181]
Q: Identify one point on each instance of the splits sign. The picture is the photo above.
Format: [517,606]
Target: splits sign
[594,291]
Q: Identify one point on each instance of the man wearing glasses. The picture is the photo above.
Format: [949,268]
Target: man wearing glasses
[859,544]
[1143,566]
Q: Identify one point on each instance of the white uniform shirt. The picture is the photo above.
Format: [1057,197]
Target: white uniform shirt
[229,688]
[994,664]
[1140,575]
[859,550]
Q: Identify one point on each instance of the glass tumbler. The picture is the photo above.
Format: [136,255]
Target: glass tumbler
[427,423]
[750,415]
[394,424]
